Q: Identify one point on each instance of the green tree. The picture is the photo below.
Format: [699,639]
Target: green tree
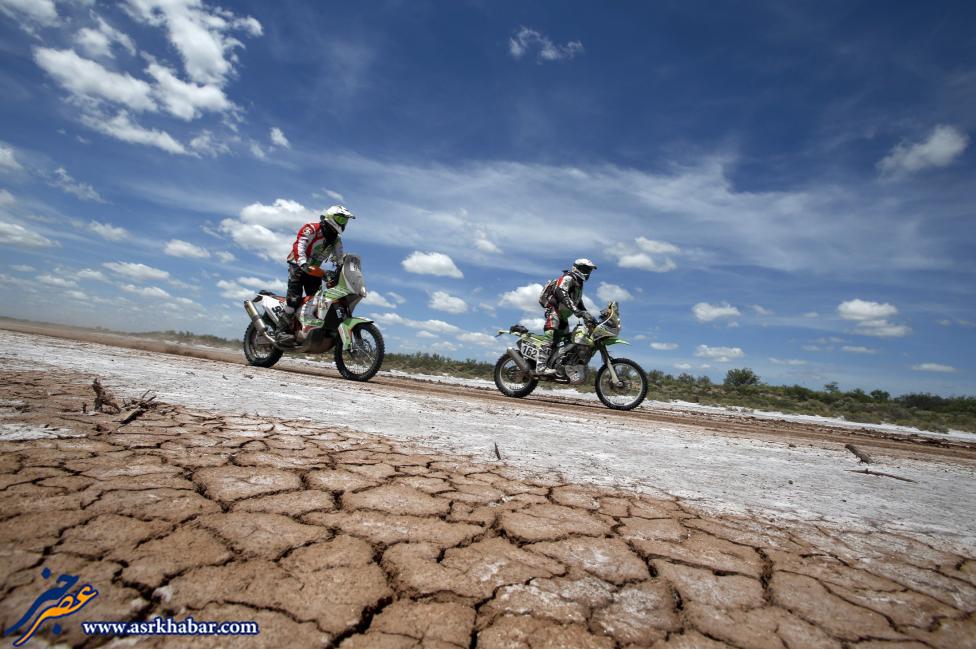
[739,377]
[831,388]
[880,395]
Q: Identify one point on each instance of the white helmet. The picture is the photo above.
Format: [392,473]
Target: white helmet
[582,268]
[336,217]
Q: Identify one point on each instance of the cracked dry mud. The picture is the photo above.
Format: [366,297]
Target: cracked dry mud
[329,537]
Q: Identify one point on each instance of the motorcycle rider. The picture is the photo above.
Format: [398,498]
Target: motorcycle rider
[566,299]
[315,244]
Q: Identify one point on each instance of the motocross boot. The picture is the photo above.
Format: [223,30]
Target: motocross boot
[285,336]
[549,369]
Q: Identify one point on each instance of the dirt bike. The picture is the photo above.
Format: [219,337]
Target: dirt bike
[621,384]
[324,322]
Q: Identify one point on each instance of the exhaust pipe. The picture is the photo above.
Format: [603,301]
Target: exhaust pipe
[256,318]
[519,360]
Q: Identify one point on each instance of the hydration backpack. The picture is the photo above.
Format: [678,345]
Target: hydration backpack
[545,298]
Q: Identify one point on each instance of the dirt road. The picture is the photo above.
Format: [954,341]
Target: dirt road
[331,537]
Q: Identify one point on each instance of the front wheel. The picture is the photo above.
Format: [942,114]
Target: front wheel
[632,388]
[258,350]
[365,354]
[511,381]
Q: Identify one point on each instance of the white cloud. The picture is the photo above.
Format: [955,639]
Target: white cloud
[54,280]
[138,272]
[257,238]
[278,138]
[431,263]
[444,346]
[23,268]
[934,367]
[525,298]
[225,257]
[646,254]
[943,145]
[376,299]
[91,273]
[474,338]
[761,310]
[201,35]
[121,127]
[443,301]
[438,326]
[281,213]
[683,366]
[89,81]
[396,297]
[334,195]
[98,42]
[8,159]
[32,12]
[484,244]
[6,198]
[63,181]
[146,291]
[526,40]
[204,143]
[720,354]
[787,361]
[234,291]
[533,324]
[13,234]
[425,334]
[186,100]
[180,248]
[257,284]
[871,318]
[858,349]
[705,312]
[268,230]
[664,347]
[613,293]
[108,231]
[257,151]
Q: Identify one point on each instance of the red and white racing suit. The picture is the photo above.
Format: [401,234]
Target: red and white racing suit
[314,248]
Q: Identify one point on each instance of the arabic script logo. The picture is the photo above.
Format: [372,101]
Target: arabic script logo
[65,604]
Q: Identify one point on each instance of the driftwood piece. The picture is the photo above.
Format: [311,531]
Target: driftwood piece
[861,455]
[104,401]
[497,454]
[879,473]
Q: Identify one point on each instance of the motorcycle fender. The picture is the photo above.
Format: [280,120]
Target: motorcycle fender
[345,330]
[614,341]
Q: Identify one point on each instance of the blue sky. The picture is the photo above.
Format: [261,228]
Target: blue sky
[783,186]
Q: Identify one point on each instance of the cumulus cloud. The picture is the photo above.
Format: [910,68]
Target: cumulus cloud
[527,40]
[63,181]
[89,81]
[31,13]
[434,326]
[705,312]
[180,248]
[943,145]
[14,234]
[278,138]
[934,367]
[146,291]
[484,244]
[54,280]
[646,254]
[525,298]
[283,213]
[431,263]
[108,231]
[719,354]
[98,42]
[612,292]
[8,159]
[480,339]
[121,127]
[858,349]
[871,318]
[225,257]
[376,299]
[268,230]
[91,273]
[443,301]
[664,347]
[207,144]
[184,100]
[761,310]
[244,288]
[203,36]
[138,272]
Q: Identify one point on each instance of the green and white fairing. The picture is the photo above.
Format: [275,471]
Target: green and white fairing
[350,288]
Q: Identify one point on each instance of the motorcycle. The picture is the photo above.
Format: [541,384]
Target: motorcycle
[324,322]
[621,384]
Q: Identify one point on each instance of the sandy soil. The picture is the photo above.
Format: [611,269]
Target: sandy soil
[331,537]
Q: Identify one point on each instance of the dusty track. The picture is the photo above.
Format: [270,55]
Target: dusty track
[726,424]
[328,537]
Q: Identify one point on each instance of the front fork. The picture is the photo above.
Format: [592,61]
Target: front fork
[609,363]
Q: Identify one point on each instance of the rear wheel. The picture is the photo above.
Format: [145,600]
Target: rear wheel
[258,350]
[365,354]
[511,381]
[632,387]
